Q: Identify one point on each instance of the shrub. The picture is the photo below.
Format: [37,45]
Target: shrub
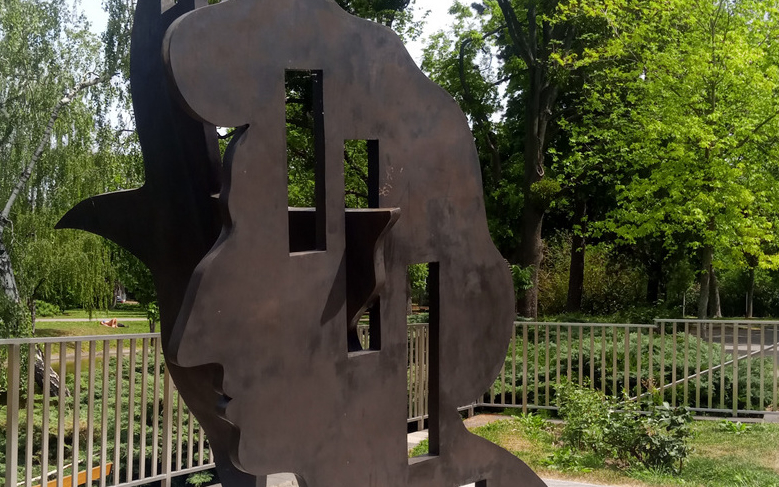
[42,308]
[617,430]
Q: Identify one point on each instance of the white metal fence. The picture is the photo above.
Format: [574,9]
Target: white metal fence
[711,366]
[115,419]
[118,420]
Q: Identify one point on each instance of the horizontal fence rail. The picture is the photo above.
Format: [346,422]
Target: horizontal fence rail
[101,410]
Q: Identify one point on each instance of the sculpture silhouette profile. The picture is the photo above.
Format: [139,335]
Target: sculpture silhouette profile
[264,348]
[276,315]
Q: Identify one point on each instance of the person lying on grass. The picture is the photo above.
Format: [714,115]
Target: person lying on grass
[112,323]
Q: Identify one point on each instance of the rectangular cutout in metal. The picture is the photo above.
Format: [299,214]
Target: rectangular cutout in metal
[361,173]
[423,286]
[305,136]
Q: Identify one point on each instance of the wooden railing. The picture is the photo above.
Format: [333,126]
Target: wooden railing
[118,419]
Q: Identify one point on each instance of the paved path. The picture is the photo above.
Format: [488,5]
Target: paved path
[288,480]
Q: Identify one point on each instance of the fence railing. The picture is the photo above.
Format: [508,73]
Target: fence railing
[714,366]
[116,418]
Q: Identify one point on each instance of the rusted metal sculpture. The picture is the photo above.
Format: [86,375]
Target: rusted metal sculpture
[273,305]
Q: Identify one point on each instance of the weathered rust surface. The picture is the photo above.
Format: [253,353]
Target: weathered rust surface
[172,221]
[302,399]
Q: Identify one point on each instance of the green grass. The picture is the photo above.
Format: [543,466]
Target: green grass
[87,328]
[722,456]
[131,311]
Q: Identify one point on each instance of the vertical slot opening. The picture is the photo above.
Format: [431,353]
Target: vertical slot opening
[305,134]
[423,305]
[361,173]
[366,336]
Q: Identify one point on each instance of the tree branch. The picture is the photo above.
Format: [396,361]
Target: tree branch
[520,39]
[55,114]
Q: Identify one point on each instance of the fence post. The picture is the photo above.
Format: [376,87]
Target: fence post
[12,417]
[735,369]
[167,428]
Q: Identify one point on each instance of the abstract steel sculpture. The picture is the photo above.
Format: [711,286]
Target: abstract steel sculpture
[268,317]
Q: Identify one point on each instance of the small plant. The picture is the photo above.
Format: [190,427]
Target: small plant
[153,315]
[733,427]
[199,479]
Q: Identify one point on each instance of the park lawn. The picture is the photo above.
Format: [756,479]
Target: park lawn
[86,328]
[722,456]
[133,311]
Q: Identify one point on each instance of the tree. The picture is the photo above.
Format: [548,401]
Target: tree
[51,146]
[695,135]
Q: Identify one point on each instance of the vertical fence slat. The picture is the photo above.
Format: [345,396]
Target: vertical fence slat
[662,360]
[580,331]
[167,426]
[627,359]
[639,353]
[762,367]
[12,416]
[144,401]
[514,381]
[410,369]
[592,357]
[155,454]
[524,368]
[557,354]
[698,365]
[650,362]
[776,364]
[131,411]
[535,365]
[547,350]
[602,359]
[686,362]
[749,365]
[190,437]
[722,366]
[45,422]
[61,406]
[76,411]
[570,353]
[614,361]
[104,413]
[200,445]
[30,414]
[179,430]
[674,331]
[735,370]
[118,375]
[503,383]
[90,411]
[710,333]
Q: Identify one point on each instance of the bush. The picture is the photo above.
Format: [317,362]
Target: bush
[617,431]
[42,308]
[611,283]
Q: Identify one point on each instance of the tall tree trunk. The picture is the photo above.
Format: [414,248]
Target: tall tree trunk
[715,308]
[578,250]
[707,253]
[653,283]
[7,278]
[533,42]
[750,293]
[534,206]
